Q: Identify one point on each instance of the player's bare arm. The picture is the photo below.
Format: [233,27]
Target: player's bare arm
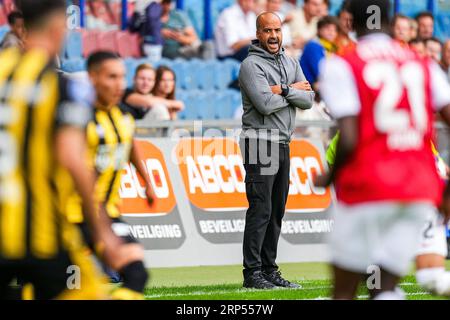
[348,127]
[84,180]
[445,114]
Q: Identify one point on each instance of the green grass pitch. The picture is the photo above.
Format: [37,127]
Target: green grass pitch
[225,283]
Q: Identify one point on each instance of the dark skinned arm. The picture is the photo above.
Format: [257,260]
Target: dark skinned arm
[348,127]
[136,160]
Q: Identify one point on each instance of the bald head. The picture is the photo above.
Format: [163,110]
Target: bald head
[265,18]
[268,32]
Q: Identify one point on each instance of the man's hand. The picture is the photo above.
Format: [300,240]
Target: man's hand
[176,105]
[169,34]
[276,89]
[151,197]
[323,181]
[303,85]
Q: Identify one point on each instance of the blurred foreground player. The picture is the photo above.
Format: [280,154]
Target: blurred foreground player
[41,139]
[111,145]
[384,97]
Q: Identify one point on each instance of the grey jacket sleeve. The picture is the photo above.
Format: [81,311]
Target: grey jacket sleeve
[254,83]
[299,98]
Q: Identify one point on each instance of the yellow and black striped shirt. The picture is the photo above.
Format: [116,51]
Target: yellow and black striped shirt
[110,138]
[35,102]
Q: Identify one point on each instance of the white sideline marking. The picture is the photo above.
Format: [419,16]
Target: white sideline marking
[210,293]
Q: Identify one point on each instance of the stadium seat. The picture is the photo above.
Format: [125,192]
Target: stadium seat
[123,41]
[128,44]
[205,105]
[225,69]
[190,110]
[130,65]
[3,16]
[205,76]
[73,65]
[90,41]
[135,44]
[107,41]
[412,7]
[162,62]
[74,45]
[3,31]
[179,68]
[221,105]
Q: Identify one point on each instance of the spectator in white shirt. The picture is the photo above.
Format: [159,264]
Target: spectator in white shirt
[235,29]
[276,6]
[303,22]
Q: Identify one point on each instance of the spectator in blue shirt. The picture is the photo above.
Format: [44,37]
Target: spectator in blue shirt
[180,38]
[318,48]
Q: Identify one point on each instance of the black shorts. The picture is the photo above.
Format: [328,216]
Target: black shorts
[48,277]
[120,228]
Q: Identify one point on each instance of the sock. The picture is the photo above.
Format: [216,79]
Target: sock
[436,280]
[397,294]
[134,276]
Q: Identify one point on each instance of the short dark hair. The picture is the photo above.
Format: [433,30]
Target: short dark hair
[35,11]
[433,39]
[345,7]
[424,14]
[325,21]
[361,14]
[13,17]
[98,57]
[416,40]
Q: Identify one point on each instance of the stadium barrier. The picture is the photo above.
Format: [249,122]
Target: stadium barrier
[197,173]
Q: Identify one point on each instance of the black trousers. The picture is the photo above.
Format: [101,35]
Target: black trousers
[267,167]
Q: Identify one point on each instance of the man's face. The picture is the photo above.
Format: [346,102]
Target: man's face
[144,81]
[402,30]
[247,5]
[19,28]
[269,34]
[346,21]
[314,8]
[426,27]
[109,81]
[434,50]
[328,32]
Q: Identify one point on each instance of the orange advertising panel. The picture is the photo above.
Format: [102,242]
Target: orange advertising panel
[306,163]
[132,191]
[214,175]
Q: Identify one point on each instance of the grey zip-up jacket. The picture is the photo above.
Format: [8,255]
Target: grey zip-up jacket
[263,110]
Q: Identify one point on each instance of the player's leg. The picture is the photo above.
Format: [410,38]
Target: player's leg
[430,261]
[397,227]
[349,248]
[133,271]
[6,276]
[70,276]
[345,283]
[388,289]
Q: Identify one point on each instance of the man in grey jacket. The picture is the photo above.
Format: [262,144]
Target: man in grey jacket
[273,87]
